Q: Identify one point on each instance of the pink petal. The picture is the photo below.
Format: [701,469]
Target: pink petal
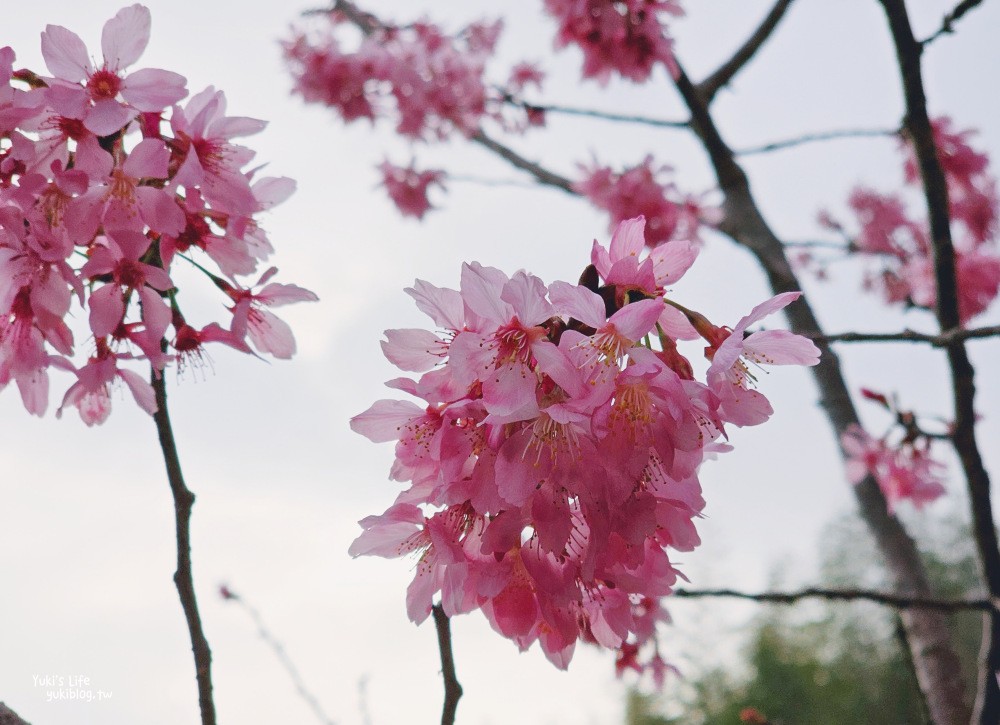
[65,54]
[780,347]
[276,294]
[384,421]
[160,211]
[629,238]
[413,350]
[442,305]
[766,308]
[233,126]
[107,117]
[271,334]
[672,260]
[579,302]
[272,190]
[142,391]
[636,319]
[676,325]
[481,290]
[151,90]
[525,293]
[148,160]
[107,308]
[125,36]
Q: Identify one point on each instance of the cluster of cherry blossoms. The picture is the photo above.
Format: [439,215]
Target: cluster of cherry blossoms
[432,85]
[639,191]
[554,453]
[897,245]
[627,37]
[106,180]
[903,468]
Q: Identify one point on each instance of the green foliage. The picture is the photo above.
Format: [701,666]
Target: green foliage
[843,664]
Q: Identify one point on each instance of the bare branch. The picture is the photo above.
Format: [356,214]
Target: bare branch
[815,137]
[279,650]
[9,717]
[541,174]
[949,20]
[593,113]
[452,688]
[918,128]
[843,595]
[943,339]
[183,580]
[930,639]
[711,85]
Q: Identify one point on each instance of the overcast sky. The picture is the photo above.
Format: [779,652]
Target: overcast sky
[86,520]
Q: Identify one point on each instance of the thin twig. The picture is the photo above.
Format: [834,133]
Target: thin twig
[935,187]
[279,650]
[594,113]
[483,181]
[711,85]
[948,23]
[452,688]
[842,595]
[815,137]
[541,174]
[943,339]
[183,502]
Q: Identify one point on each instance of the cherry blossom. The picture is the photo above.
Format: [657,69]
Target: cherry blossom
[553,456]
[105,183]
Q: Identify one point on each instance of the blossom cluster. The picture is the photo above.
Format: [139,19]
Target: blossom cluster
[106,179]
[555,450]
[643,191]
[897,245]
[901,464]
[627,37]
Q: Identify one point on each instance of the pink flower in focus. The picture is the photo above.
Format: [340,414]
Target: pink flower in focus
[408,187]
[96,103]
[267,332]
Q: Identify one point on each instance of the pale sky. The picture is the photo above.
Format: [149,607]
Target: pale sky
[86,520]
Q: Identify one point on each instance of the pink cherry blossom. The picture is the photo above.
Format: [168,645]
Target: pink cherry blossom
[96,103]
[408,187]
[628,38]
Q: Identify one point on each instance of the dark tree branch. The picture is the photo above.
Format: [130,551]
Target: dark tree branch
[711,85]
[452,688]
[949,20]
[918,128]
[933,656]
[842,595]
[814,137]
[183,501]
[279,650]
[541,174]
[9,717]
[943,339]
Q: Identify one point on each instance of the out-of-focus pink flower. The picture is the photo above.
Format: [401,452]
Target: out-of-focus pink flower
[641,191]
[627,37]
[904,472]
[408,187]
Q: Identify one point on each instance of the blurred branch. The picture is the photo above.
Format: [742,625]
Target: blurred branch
[842,595]
[183,579]
[543,175]
[918,128]
[711,85]
[949,20]
[279,650]
[452,688]
[814,137]
[9,717]
[943,339]
[593,113]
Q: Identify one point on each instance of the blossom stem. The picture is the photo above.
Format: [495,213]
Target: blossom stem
[183,502]
[452,688]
